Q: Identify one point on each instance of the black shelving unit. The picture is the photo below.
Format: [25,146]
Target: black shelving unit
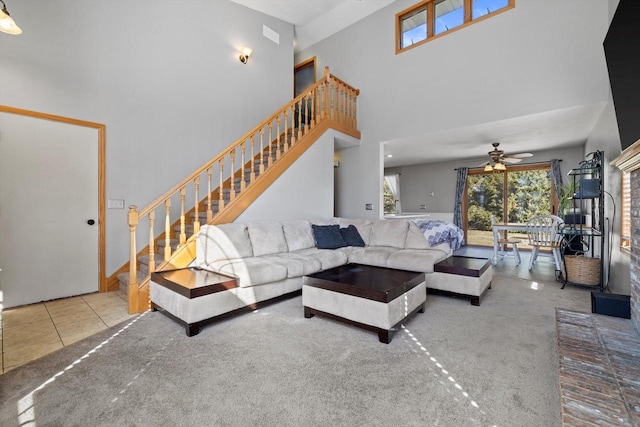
[583,231]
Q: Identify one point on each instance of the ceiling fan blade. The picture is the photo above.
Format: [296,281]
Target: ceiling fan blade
[521,155]
[485,163]
[511,160]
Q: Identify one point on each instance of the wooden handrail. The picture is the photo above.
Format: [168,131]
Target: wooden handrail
[226,175]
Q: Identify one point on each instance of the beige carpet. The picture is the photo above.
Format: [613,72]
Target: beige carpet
[454,365]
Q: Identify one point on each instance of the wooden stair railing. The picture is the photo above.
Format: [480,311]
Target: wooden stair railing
[232,180]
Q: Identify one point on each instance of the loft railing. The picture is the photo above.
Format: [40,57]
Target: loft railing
[218,185]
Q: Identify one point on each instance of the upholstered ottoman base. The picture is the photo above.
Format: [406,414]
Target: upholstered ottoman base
[461,276]
[378,308]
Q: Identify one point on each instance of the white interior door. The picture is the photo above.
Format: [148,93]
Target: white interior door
[48,195]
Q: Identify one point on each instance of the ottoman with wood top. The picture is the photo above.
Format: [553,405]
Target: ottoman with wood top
[373,298]
[461,277]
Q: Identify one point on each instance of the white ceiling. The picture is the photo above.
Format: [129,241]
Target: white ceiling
[315,20]
[544,131]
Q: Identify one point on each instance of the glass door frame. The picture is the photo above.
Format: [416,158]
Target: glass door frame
[505,189]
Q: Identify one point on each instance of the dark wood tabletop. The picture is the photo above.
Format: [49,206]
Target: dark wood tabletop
[193,282]
[366,281]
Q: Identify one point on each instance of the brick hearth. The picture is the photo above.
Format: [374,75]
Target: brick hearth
[599,372]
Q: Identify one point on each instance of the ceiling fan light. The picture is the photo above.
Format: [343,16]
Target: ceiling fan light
[500,167]
[488,168]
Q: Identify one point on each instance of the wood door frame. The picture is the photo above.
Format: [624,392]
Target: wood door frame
[102,280]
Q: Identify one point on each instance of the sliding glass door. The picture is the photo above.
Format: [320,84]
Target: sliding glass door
[514,195]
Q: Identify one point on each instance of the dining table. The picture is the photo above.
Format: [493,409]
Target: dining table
[502,227]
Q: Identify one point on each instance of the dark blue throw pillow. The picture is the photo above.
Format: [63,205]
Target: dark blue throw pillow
[351,236]
[328,236]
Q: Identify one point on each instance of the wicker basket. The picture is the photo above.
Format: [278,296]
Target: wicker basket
[581,269]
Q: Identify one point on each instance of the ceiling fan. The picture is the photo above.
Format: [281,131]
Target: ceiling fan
[497,159]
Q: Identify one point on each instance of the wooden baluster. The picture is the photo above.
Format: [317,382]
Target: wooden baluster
[292,138]
[220,189]
[152,243]
[277,141]
[196,222]
[285,136]
[167,230]
[252,171]
[233,168]
[183,231]
[351,98]
[355,110]
[286,132]
[313,109]
[242,163]
[132,288]
[332,100]
[342,108]
[300,124]
[209,179]
[327,81]
[270,139]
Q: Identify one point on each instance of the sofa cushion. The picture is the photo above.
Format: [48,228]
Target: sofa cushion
[328,236]
[298,235]
[225,241]
[267,238]
[363,226]
[297,266]
[329,258]
[251,271]
[415,259]
[392,233]
[324,221]
[372,255]
[415,238]
[351,236]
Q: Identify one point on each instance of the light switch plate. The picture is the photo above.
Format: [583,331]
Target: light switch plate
[115,204]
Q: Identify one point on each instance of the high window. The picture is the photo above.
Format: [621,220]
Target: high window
[514,195]
[430,19]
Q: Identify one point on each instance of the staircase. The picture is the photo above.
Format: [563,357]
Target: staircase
[230,182]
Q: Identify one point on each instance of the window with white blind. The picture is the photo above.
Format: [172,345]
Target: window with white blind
[625,229]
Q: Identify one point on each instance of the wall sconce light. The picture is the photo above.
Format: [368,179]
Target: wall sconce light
[7,24]
[244,56]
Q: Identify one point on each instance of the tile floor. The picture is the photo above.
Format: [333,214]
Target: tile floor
[35,330]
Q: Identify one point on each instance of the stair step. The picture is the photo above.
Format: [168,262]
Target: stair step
[123,278]
[160,245]
[143,263]
[188,229]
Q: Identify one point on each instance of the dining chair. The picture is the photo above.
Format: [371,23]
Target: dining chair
[542,232]
[503,241]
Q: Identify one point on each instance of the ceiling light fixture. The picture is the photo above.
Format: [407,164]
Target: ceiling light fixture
[498,166]
[7,24]
[244,56]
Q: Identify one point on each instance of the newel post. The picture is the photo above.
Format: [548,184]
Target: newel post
[132,289]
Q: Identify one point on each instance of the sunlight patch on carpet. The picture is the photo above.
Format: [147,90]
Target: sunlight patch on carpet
[445,373]
[26,405]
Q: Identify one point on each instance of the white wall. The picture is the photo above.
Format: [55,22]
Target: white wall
[164,77]
[304,191]
[418,181]
[523,61]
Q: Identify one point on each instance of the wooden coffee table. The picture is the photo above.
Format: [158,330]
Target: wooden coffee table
[373,298]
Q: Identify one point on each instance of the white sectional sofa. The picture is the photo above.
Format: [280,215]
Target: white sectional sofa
[269,259]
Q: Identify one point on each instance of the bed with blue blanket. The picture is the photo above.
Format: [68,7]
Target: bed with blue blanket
[439,231]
